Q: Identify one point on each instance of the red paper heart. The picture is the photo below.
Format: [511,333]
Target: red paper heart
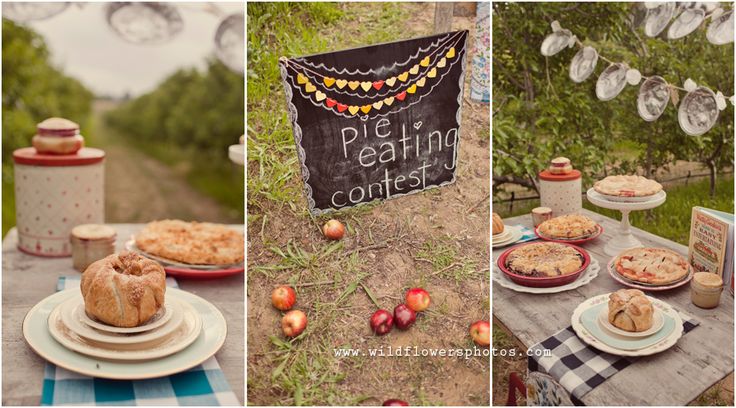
[330,102]
[401,96]
[341,107]
[377,84]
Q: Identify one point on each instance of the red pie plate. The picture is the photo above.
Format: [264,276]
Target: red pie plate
[180,272]
[542,282]
[591,237]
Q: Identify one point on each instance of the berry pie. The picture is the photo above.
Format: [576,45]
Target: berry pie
[544,260]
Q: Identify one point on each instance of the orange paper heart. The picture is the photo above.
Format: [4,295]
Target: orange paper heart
[328,81]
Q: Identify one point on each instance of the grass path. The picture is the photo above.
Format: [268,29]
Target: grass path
[139,188]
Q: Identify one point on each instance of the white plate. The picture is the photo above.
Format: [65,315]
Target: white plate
[586,337]
[68,309]
[159,319]
[183,336]
[590,273]
[506,234]
[516,235]
[131,246]
[657,323]
[211,338]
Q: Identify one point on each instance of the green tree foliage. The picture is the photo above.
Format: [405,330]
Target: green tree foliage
[33,90]
[540,113]
[191,117]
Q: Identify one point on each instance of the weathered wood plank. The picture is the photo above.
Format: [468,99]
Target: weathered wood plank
[675,377]
[443,12]
[29,279]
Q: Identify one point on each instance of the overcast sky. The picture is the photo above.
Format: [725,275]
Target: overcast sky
[83,45]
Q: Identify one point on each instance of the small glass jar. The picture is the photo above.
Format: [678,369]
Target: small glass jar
[705,290]
[540,215]
[90,243]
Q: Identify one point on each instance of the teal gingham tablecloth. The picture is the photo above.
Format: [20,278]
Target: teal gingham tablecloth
[201,385]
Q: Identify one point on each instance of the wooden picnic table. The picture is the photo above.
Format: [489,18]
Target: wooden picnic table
[28,279]
[675,377]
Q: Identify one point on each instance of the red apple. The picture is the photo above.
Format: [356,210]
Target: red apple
[283,298]
[404,316]
[417,299]
[294,323]
[395,403]
[382,322]
[333,229]
[480,331]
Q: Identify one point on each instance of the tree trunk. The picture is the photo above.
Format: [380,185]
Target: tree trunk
[712,168]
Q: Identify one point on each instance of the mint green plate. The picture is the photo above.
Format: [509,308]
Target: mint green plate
[212,337]
[589,318]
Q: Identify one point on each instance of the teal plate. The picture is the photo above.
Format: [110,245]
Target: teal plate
[589,318]
[212,337]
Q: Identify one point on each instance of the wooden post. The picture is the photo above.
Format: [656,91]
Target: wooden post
[443,17]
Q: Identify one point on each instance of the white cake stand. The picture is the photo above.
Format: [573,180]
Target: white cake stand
[624,239]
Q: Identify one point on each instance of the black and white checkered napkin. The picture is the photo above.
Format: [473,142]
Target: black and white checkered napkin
[579,367]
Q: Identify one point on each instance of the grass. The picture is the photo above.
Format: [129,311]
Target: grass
[670,220]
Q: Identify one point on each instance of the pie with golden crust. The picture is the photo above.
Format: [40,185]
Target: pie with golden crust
[197,243]
[627,186]
[656,266]
[568,227]
[544,259]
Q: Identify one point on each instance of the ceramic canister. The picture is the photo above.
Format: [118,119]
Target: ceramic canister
[561,192]
[55,193]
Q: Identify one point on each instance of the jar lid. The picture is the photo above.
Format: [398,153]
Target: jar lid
[93,232]
[83,157]
[57,127]
[541,210]
[708,279]
[547,176]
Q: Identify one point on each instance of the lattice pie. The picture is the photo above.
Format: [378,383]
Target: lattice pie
[544,259]
[656,266]
[568,226]
[627,186]
[192,242]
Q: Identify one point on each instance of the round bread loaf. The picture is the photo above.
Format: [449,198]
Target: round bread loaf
[497,224]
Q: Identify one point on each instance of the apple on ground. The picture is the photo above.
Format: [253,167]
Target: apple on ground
[417,299]
[382,322]
[404,317]
[283,298]
[480,331]
[294,323]
[334,230]
[395,403]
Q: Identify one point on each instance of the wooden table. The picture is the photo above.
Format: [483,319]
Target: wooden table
[675,377]
[29,279]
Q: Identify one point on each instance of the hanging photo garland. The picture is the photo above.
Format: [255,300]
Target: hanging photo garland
[698,111]
[656,16]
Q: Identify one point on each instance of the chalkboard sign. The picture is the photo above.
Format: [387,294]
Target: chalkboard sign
[376,122]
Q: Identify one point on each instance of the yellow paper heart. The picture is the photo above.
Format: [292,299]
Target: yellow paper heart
[353,109]
[451,53]
[388,101]
[366,86]
[414,70]
[403,76]
[328,81]
[424,62]
[377,105]
[341,83]
[421,81]
[391,81]
[432,73]
[310,88]
[442,63]
[353,85]
[365,108]
[412,89]
[320,96]
[301,79]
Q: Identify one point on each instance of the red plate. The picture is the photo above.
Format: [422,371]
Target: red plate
[202,274]
[542,282]
[571,241]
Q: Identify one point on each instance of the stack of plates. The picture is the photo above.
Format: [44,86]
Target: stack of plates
[180,269]
[590,322]
[185,332]
[510,235]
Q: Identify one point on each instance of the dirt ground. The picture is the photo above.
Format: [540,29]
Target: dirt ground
[438,239]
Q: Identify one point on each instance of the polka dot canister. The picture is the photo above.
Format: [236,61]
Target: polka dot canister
[561,192]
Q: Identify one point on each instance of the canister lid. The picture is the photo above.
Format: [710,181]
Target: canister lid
[57,127]
[546,175]
[85,156]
